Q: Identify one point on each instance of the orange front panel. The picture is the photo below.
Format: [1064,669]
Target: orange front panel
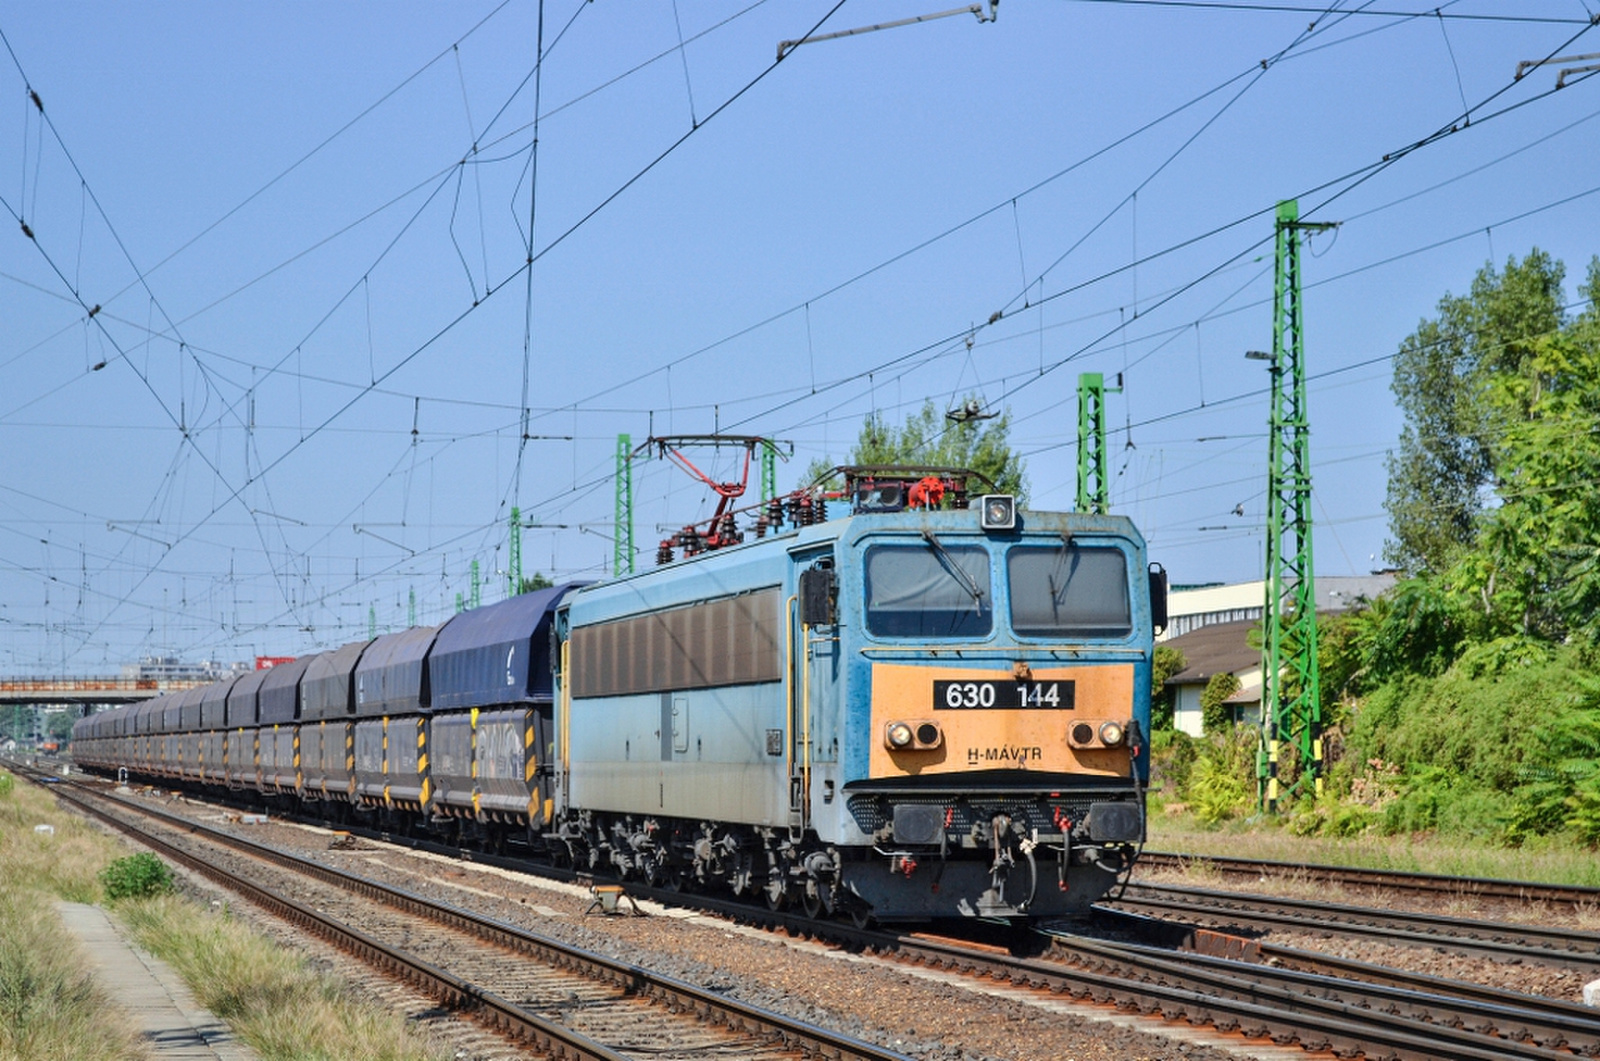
[1033,738]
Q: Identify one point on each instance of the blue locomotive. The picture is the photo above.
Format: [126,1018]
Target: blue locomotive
[904,713]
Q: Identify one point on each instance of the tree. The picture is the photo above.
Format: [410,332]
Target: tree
[538,581]
[1537,571]
[59,725]
[1447,450]
[1215,714]
[1164,663]
[930,438]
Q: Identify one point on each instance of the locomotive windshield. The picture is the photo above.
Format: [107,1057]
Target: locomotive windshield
[928,590]
[1067,590]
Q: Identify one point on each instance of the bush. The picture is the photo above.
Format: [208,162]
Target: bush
[1215,715]
[1172,757]
[136,877]
[1222,782]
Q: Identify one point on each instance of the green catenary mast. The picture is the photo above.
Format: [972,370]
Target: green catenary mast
[1094,482]
[622,556]
[769,471]
[1291,703]
[514,555]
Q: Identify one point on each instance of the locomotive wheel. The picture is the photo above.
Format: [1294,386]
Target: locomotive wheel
[811,901]
[775,891]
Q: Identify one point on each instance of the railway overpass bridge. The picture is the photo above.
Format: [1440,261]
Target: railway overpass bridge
[77,690]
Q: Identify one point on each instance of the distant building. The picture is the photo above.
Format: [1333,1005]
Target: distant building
[1211,626]
[165,669]
[1191,607]
[1218,648]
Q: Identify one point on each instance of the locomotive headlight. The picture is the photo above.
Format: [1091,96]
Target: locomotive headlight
[1111,733]
[997,512]
[899,735]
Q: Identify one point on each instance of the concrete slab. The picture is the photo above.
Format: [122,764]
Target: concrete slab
[164,1012]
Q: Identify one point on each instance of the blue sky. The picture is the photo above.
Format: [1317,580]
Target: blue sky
[305,227]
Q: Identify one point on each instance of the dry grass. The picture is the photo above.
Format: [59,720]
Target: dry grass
[1546,861]
[64,863]
[50,1008]
[273,1001]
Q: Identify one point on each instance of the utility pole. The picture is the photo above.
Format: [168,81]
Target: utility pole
[622,543]
[411,609]
[477,586]
[1291,696]
[1094,480]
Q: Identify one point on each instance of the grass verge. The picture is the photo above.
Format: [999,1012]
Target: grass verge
[1539,859]
[50,1010]
[50,1007]
[270,997]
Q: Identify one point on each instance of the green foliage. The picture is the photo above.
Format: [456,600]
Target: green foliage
[1333,817]
[1474,676]
[1447,452]
[929,438]
[1416,628]
[1172,757]
[1502,745]
[538,581]
[139,876]
[1221,784]
[1215,715]
[7,783]
[1490,496]
[1561,786]
[1165,662]
[59,726]
[1537,570]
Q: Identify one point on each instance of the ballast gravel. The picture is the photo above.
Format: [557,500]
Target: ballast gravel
[921,1013]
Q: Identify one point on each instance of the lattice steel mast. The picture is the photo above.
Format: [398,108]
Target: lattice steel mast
[622,553]
[1094,478]
[1291,702]
[514,555]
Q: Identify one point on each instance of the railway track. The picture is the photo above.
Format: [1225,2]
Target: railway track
[1388,881]
[1320,1008]
[561,1000]
[1569,948]
[1433,1019]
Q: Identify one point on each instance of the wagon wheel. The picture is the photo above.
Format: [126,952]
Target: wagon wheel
[812,899]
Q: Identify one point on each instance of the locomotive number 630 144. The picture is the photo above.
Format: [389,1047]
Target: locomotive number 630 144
[1002,695]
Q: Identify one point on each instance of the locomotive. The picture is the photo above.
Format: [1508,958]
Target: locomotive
[904,713]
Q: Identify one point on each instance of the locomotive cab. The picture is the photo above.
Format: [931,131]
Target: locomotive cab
[991,674]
